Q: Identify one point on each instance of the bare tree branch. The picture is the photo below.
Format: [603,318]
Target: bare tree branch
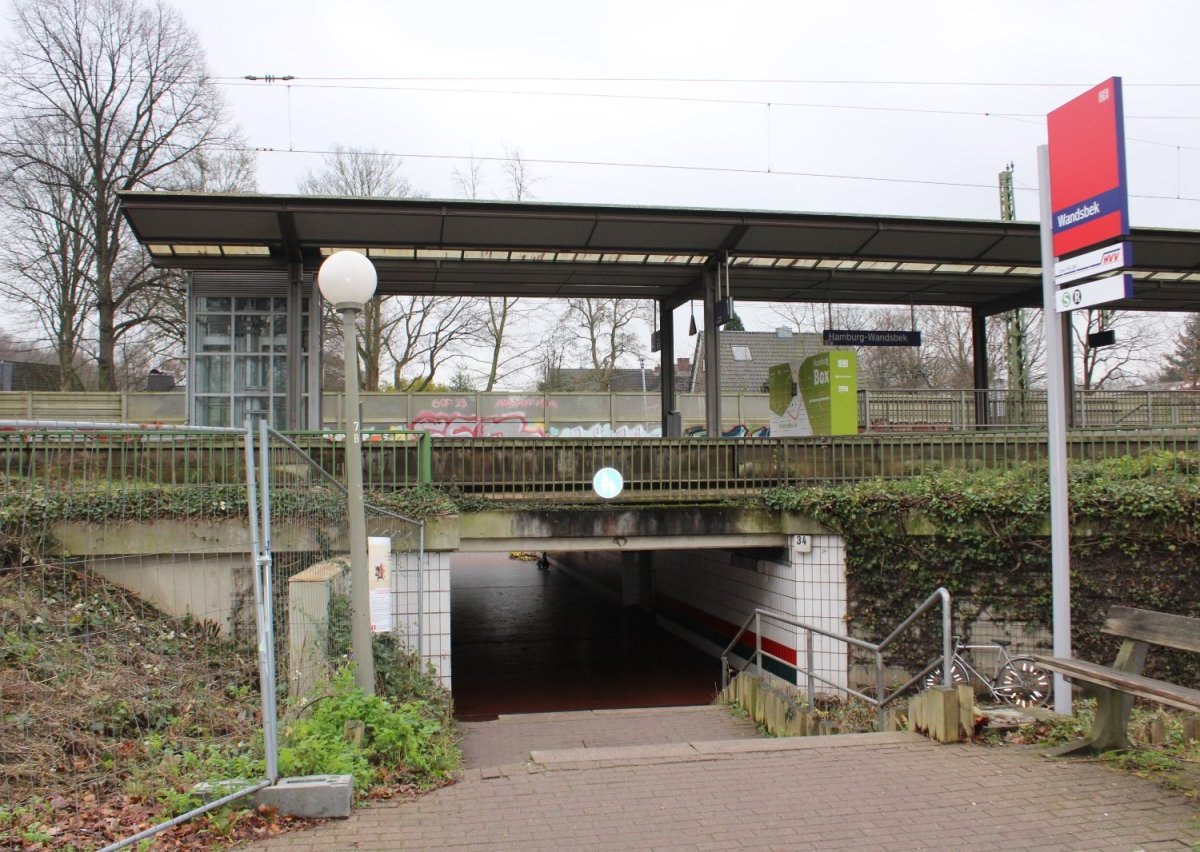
[121,88]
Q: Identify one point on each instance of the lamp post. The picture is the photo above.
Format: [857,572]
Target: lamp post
[347,280]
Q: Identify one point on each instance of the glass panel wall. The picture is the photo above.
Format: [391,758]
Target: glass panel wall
[241,353]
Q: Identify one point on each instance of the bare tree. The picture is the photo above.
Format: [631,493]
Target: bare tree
[521,179]
[426,333]
[554,352]
[230,171]
[123,84]
[46,268]
[603,329]
[499,314]
[1110,366]
[362,173]
[359,172]
[813,317]
[470,178]
[161,339]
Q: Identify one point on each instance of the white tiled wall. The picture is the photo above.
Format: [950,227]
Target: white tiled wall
[809,586]
[821,598]
[435,638]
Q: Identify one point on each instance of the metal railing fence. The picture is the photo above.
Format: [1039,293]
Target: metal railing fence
[700,468]
[518,414]
[102,456]
[105,459]
[808,668]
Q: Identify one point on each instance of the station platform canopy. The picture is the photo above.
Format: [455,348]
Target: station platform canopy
[484,248]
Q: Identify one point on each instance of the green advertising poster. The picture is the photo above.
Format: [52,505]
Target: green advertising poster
[781,382]
[827,403]
[829,387]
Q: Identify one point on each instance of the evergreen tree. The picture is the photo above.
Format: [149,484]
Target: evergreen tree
[1183,365]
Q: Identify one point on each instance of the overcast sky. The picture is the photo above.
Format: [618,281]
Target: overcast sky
[858,106]
[707,104]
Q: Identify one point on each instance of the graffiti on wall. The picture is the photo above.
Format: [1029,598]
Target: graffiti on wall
[452,424]
[457,416]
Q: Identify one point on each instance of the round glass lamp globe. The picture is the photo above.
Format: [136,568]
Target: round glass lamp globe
[347,278]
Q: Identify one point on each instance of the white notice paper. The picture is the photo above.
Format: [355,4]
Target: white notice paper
[381,610]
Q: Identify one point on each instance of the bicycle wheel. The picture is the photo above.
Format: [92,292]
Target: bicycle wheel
[1024,683]
[958,675]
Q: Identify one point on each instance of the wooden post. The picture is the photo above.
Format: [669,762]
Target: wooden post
[353,732]
[1157,731]
[937,713]
[1191,729]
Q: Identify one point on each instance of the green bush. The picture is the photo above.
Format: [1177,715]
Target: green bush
[1134,541]
[406,740]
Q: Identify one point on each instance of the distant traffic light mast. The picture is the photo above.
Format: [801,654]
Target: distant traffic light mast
[1014,321]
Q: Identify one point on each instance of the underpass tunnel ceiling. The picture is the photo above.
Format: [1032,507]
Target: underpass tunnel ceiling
[480,248]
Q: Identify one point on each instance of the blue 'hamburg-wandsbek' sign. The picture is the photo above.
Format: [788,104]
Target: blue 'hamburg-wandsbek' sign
[851,337]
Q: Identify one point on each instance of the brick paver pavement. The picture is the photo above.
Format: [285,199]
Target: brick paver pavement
[868,791]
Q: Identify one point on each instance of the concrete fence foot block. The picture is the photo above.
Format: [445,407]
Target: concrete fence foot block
[310,796]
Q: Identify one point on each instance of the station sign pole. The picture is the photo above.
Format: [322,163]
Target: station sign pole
[1084,203]
[1056,425]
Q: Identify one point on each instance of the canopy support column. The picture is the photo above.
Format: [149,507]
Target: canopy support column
[295,348]
[666,370]
[979,355]
[712,357]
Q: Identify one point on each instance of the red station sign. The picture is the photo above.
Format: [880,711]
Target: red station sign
[1088,198]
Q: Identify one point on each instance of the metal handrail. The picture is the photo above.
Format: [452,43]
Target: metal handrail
[881,698]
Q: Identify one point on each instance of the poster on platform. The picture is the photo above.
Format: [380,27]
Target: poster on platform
[819,396]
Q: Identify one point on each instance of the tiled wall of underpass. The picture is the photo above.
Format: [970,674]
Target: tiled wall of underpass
[599,569]
[427,596]
[704,596]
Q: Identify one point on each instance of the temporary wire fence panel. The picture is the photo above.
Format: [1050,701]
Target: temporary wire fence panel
[310,549]
[127,646]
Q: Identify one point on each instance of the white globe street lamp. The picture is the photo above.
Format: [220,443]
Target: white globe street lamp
[347,279]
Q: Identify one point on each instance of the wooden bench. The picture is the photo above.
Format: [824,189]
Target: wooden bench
[1116,686]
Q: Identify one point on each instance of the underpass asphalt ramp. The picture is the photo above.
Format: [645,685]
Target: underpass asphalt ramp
[893,791]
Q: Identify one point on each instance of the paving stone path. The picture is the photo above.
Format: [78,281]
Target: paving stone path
[860,791]
[510,739]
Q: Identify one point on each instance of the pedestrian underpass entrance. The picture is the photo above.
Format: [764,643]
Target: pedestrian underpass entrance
[532,639]
[607,629]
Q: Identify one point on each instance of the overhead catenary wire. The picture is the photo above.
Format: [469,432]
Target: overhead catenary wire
[546,161]
[299,83]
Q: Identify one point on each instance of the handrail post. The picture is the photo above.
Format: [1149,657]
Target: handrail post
[758,660]
[947,652]
[424,458]
[880,691]
[811,665]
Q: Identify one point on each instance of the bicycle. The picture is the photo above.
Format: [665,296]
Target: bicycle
[1016,680]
